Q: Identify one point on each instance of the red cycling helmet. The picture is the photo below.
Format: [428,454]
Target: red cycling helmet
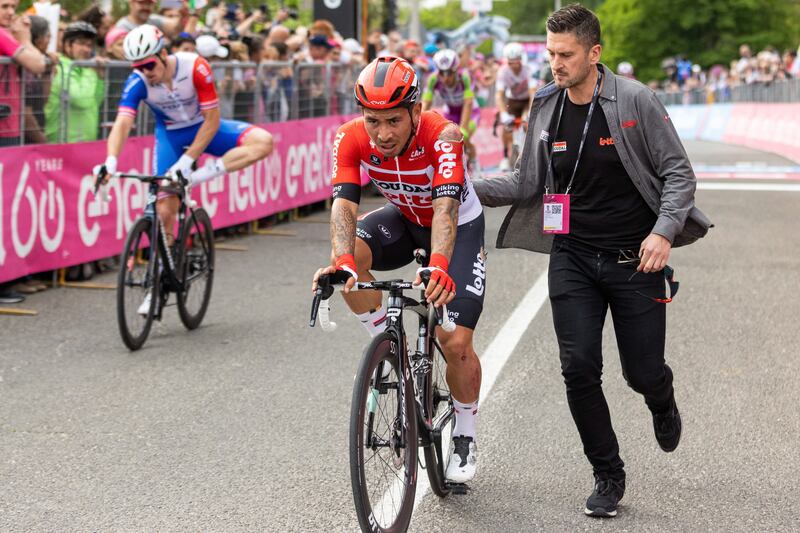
[386,83]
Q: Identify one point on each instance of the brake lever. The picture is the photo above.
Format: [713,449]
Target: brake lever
[323,292]
[442,316]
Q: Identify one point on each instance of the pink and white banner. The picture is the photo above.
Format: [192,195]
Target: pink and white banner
[49,217]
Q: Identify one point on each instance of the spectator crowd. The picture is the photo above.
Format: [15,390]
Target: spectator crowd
[268,67]
[691,83]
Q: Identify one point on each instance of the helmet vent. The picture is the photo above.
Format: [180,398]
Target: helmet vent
[396,94]
[381,71]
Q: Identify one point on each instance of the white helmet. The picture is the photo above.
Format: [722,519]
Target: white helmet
[143,41]
[513,51]
[445,59]
[625,69]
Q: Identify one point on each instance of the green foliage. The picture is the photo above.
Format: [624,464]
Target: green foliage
[707,31]
[528,17]
[448,17]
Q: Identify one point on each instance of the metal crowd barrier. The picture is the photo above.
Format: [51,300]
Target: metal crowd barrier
[779,91]
[80,103]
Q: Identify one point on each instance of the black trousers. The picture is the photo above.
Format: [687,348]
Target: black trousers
[584,283]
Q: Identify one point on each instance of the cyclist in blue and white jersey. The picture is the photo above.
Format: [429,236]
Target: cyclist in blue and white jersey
[180,91]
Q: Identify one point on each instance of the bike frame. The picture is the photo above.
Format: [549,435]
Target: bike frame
[418,364]
[158,235]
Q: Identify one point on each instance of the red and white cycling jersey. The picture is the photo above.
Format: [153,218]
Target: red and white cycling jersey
[181,105]
[428,169]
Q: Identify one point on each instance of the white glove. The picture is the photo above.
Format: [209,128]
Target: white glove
[184,165]
[109,167]
[506,118]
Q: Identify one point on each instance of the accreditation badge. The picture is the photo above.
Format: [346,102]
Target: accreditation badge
[555,218]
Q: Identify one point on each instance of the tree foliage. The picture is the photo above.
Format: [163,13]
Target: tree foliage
[644,32]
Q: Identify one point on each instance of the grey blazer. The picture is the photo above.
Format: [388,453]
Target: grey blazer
[648,146]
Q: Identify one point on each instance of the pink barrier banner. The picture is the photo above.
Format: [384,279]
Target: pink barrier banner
[49,217]
[489,147]
[768,127]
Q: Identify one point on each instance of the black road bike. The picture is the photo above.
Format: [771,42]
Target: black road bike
[401,402]
[149,266]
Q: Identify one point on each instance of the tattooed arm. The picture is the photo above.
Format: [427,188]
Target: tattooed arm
[444,226]
[447,187]
[343,227]
[343,242]
[445,208]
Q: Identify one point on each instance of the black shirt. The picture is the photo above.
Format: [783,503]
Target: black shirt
[606,210]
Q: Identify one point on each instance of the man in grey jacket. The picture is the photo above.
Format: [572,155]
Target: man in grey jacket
[605,187]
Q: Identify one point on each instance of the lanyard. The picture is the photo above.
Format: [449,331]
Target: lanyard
[549,178]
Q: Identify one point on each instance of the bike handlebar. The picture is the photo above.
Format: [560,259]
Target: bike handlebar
[320,307]
[145,178]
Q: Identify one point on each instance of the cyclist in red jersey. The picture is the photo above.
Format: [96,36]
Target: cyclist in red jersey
[416,160]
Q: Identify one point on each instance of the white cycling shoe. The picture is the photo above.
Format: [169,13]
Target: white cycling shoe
[504,164]
[145,307]
[463,460]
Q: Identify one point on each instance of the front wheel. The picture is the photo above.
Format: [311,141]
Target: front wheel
[138,281]
[438,405]
[383,439]
[196,269]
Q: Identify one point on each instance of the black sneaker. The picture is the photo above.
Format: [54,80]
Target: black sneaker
[667,427]
[11,297]
[607,494]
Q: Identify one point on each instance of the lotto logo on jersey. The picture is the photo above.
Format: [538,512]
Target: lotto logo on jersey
[447,158]
[608,141]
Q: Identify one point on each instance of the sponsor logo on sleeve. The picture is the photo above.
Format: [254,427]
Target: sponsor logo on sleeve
[544,136]
[447,158]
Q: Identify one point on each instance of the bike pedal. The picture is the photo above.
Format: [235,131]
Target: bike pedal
[458,488]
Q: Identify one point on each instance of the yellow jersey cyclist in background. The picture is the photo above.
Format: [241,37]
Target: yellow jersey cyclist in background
[179,89]
[454,87]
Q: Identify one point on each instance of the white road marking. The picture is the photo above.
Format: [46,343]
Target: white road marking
[498,352]
[770,187]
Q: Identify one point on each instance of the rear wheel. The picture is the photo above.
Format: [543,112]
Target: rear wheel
[383,440]
[439,409]
[138,279]
[196,269]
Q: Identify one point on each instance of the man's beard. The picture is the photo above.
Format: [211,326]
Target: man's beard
[571,82]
